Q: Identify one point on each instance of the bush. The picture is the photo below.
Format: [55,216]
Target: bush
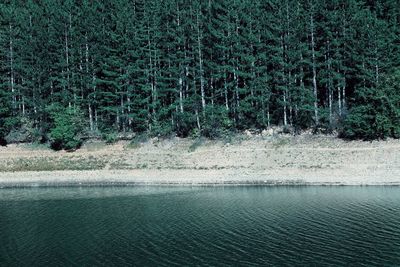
[377,113]
[195,133]
[24,131]
[110,137]
[5,116]
[3,141]
[185,123]
[67,129]
[217,123]
[161,129]
[368,122]
[196,144]
[138,140]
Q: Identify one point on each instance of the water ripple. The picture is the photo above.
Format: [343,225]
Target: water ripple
[241,226]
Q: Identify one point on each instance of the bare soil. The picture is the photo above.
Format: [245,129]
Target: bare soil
[279,159]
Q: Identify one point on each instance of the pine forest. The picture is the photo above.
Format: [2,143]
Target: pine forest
[76,69]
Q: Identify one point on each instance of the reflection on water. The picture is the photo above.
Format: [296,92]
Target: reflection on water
[200,226]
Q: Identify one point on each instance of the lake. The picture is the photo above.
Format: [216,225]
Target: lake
[207,226]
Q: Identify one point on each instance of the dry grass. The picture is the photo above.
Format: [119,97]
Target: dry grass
[281,152]
[51,164]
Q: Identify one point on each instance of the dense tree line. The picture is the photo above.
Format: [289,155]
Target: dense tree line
[199,67]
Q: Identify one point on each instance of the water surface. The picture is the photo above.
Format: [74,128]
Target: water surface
[161,226]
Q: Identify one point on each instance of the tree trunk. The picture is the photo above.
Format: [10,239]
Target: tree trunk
[314,70]
[339,101]
[203,98]
[226,93]
[344,92]
[284,82]
[181,95]
[67,58]
[91,125]
[12,74]
[284,109]
[90,111]
[329,84]
[94,98]
[212,92]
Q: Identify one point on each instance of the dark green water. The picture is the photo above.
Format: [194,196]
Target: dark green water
[232,226]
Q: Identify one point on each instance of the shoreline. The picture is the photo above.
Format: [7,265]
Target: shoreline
[180,178]
[255,160]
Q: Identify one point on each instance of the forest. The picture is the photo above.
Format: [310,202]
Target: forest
[76,69]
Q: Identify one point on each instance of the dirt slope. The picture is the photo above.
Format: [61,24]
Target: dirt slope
[251,159]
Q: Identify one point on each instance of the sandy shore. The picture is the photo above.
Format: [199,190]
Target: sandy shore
[193,177]
[283,160]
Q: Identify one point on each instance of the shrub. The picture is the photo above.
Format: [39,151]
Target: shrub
[67,129]
[109,137]
[161,129]
[5,116]
[196,144]
[195,133]
[217,123]
[372,121]
[185,123]
[138,140]
[24,131]
[3,141]
[377,113]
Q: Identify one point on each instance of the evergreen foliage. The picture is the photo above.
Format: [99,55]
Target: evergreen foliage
[66,132]
[377,112]
[199,67]
[4,117]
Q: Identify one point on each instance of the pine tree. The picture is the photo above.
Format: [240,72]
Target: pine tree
[205,67]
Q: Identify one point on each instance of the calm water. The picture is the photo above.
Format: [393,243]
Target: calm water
[150,226]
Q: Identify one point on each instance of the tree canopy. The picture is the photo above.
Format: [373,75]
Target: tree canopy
[185,67]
